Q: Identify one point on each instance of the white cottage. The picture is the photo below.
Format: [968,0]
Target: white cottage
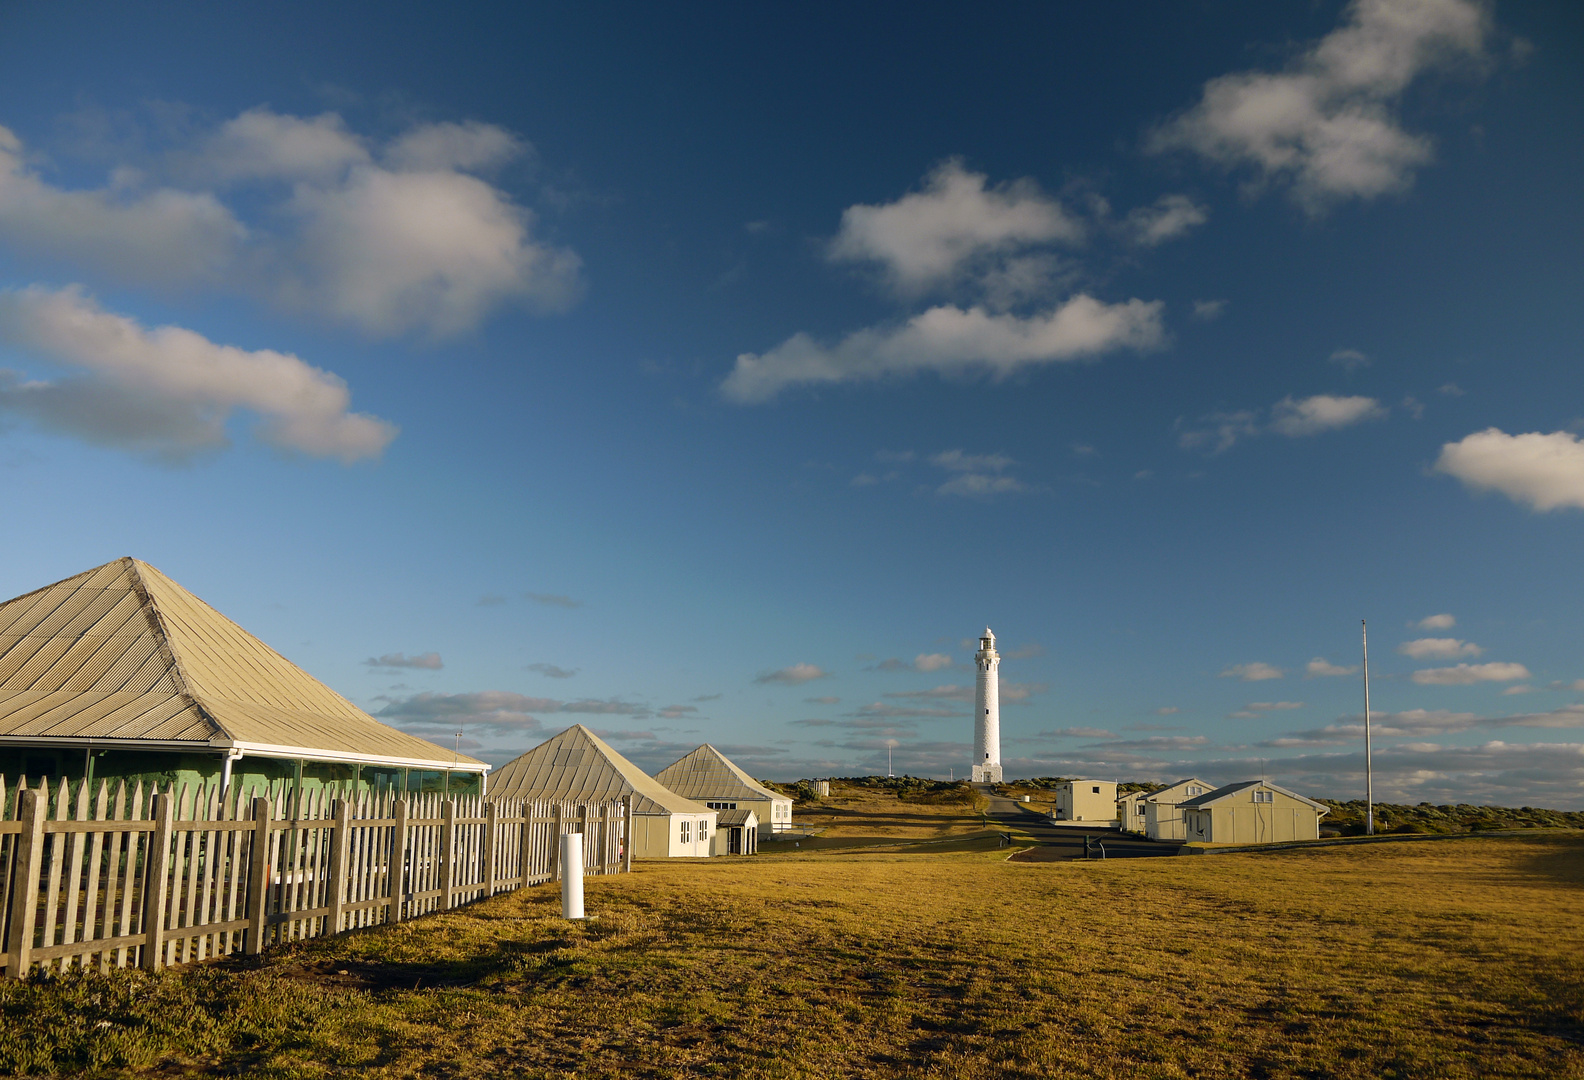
[1163,818]
[708,776]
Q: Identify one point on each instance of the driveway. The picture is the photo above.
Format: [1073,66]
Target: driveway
[1060,843]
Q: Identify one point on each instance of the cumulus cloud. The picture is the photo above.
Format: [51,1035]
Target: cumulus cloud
[1424,723]
[1255,672]
[1322,412]
[1468,674]
[1438,649]
[550,671]
[931,662]
[1320,666]
[173,388]
[1349,359]
[955,224]
[429,661]
[552,600]
[1168,218]
[1294,417]
[1436,622]
[494,712]
[1209,310]
[950,340]
[975,475]
[397,239]
[1326,127]
[158,235]
[1543,472]
[792,676]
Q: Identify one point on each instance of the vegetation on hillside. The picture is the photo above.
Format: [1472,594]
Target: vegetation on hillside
[1425,818]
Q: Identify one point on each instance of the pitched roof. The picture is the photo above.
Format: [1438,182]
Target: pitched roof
[1232,789]
[706,773]
[742,816]
[1165,793]
[578,764]
[123,653]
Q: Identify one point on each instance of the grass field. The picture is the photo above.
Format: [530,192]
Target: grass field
[1452,959]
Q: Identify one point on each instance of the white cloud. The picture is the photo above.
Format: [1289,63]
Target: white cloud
[1349,359]
[1320,666]
[957,461]
[1270,706]
[791,676]
[429,661]
[931,237]
[1255,672]
[1208,310]
[160,236]
[1168,218]
[1223,432]
[950,340]
[1326,126]
[976,475]
[931,662]
[1322,412]
[1438,648]
[1437,622]
[1468,674]
[170,390]
[394,241]
[1543,472]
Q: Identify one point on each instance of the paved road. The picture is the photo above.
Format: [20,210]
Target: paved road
[1058,843]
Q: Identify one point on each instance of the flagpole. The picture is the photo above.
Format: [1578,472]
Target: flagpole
[1369,763]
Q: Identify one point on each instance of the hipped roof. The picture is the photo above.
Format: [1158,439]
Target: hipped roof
[1229,790]
[578,765]
[706,773]
[1165,793]
[121,653]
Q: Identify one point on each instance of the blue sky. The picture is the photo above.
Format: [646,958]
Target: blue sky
[717,374]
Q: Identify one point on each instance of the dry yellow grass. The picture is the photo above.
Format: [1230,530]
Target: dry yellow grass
[1445,959]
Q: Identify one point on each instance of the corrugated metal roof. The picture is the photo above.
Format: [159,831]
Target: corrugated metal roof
[1232,789]
[742,816]
[706,773]
[123,652]
[1175,793]
[578,765]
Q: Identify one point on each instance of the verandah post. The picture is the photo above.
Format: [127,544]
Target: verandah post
[27,862]
[156,882]
[447,847]
[258,877]
[340,840]
[555,843]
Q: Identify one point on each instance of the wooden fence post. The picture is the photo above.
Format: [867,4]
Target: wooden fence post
[447,847]
[491,825]
[156,882]
[627,834]
[583,835]
[398,870]
[555,843]
[340,841]
[27,860]
[258,877]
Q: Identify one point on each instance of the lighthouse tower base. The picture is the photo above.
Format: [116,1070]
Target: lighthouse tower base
[986,774]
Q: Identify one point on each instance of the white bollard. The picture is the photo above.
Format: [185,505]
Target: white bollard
[572,875]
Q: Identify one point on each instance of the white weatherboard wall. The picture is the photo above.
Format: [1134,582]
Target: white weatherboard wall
[987,713]
[1163,815]
[1252,812]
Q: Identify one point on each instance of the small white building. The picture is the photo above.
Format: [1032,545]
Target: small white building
[578,766]
[1163,819]
[1086,800]
[1252,812]
[708,776]
[1130,811]
[736,832]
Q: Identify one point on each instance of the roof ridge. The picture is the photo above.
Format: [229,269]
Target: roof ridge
[167,646]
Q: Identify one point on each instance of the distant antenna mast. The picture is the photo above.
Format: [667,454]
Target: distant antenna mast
[888,762]
[1369,762]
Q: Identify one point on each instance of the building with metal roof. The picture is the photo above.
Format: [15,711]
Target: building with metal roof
[1163,818]
[737,832]
[121,672]
[577,766]
[1251,812]
[708,776]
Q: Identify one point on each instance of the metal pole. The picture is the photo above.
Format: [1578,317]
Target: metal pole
[1369,761]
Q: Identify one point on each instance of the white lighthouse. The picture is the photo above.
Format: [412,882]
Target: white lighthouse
[987,712]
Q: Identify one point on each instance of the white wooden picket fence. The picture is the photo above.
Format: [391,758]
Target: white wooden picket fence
[150,878]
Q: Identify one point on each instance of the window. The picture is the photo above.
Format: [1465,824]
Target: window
[1095,790]
[687,832]
[1265,796]
[703,831]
